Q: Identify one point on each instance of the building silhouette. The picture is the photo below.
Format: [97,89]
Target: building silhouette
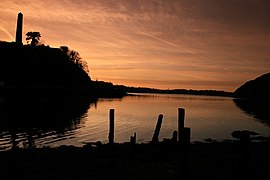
[19,29]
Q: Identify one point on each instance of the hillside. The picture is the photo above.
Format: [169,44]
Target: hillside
[40,66]
[258,88]
[42,70]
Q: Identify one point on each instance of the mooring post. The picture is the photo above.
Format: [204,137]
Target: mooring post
[186,134]
[174,137]
[133,139]
[157,129]
[111,127]
[181,123]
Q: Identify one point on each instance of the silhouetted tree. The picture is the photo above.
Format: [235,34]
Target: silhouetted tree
[64,49]
[75,57]
[84,66]
[34,37]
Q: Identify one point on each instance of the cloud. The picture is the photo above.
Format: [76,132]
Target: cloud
[7,33]
[120,68]
[167,40]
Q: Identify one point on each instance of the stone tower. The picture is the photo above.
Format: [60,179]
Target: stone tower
[19,28]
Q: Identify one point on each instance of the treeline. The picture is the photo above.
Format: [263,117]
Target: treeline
[174,91]
[106,89]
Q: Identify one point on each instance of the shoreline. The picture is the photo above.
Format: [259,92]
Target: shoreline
[216,160]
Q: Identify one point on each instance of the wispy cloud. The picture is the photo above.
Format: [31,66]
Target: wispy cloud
[175,41]
[7,33]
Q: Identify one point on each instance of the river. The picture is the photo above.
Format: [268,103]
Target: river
[55,122]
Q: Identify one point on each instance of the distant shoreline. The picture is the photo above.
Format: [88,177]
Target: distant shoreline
[108,90]
[173,91]
[149,93]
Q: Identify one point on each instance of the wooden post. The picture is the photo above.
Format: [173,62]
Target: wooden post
[157,129]
[186,138]
[111,127]
[174,137]
[133,139]
[181,121]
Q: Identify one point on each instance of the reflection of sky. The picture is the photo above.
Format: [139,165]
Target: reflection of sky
[157,43]
[208,117]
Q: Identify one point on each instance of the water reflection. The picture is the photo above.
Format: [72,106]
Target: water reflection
[54,122]
[257,109]
[209,117]
[32,122]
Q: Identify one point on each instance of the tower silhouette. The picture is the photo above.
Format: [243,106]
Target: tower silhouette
[19,28]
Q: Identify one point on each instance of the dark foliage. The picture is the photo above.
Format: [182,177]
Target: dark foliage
[75,57]
[34,37]
[39,66]
[106,89]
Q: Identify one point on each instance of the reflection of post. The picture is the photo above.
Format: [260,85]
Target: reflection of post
[13,139]
[31,140]
[158,126]
[111,130]
[174,137]
[181,119]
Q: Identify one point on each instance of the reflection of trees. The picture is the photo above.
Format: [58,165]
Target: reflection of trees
[27,121]
[255,108]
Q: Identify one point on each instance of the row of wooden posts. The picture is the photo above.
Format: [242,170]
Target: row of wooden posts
[183,132]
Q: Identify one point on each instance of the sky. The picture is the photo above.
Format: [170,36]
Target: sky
[166,44]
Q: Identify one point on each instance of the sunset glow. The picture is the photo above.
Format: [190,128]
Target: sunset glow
[166,44]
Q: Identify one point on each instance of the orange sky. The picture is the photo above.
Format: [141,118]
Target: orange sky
[191,44]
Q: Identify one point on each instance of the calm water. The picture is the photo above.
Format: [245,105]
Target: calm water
[54,122]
